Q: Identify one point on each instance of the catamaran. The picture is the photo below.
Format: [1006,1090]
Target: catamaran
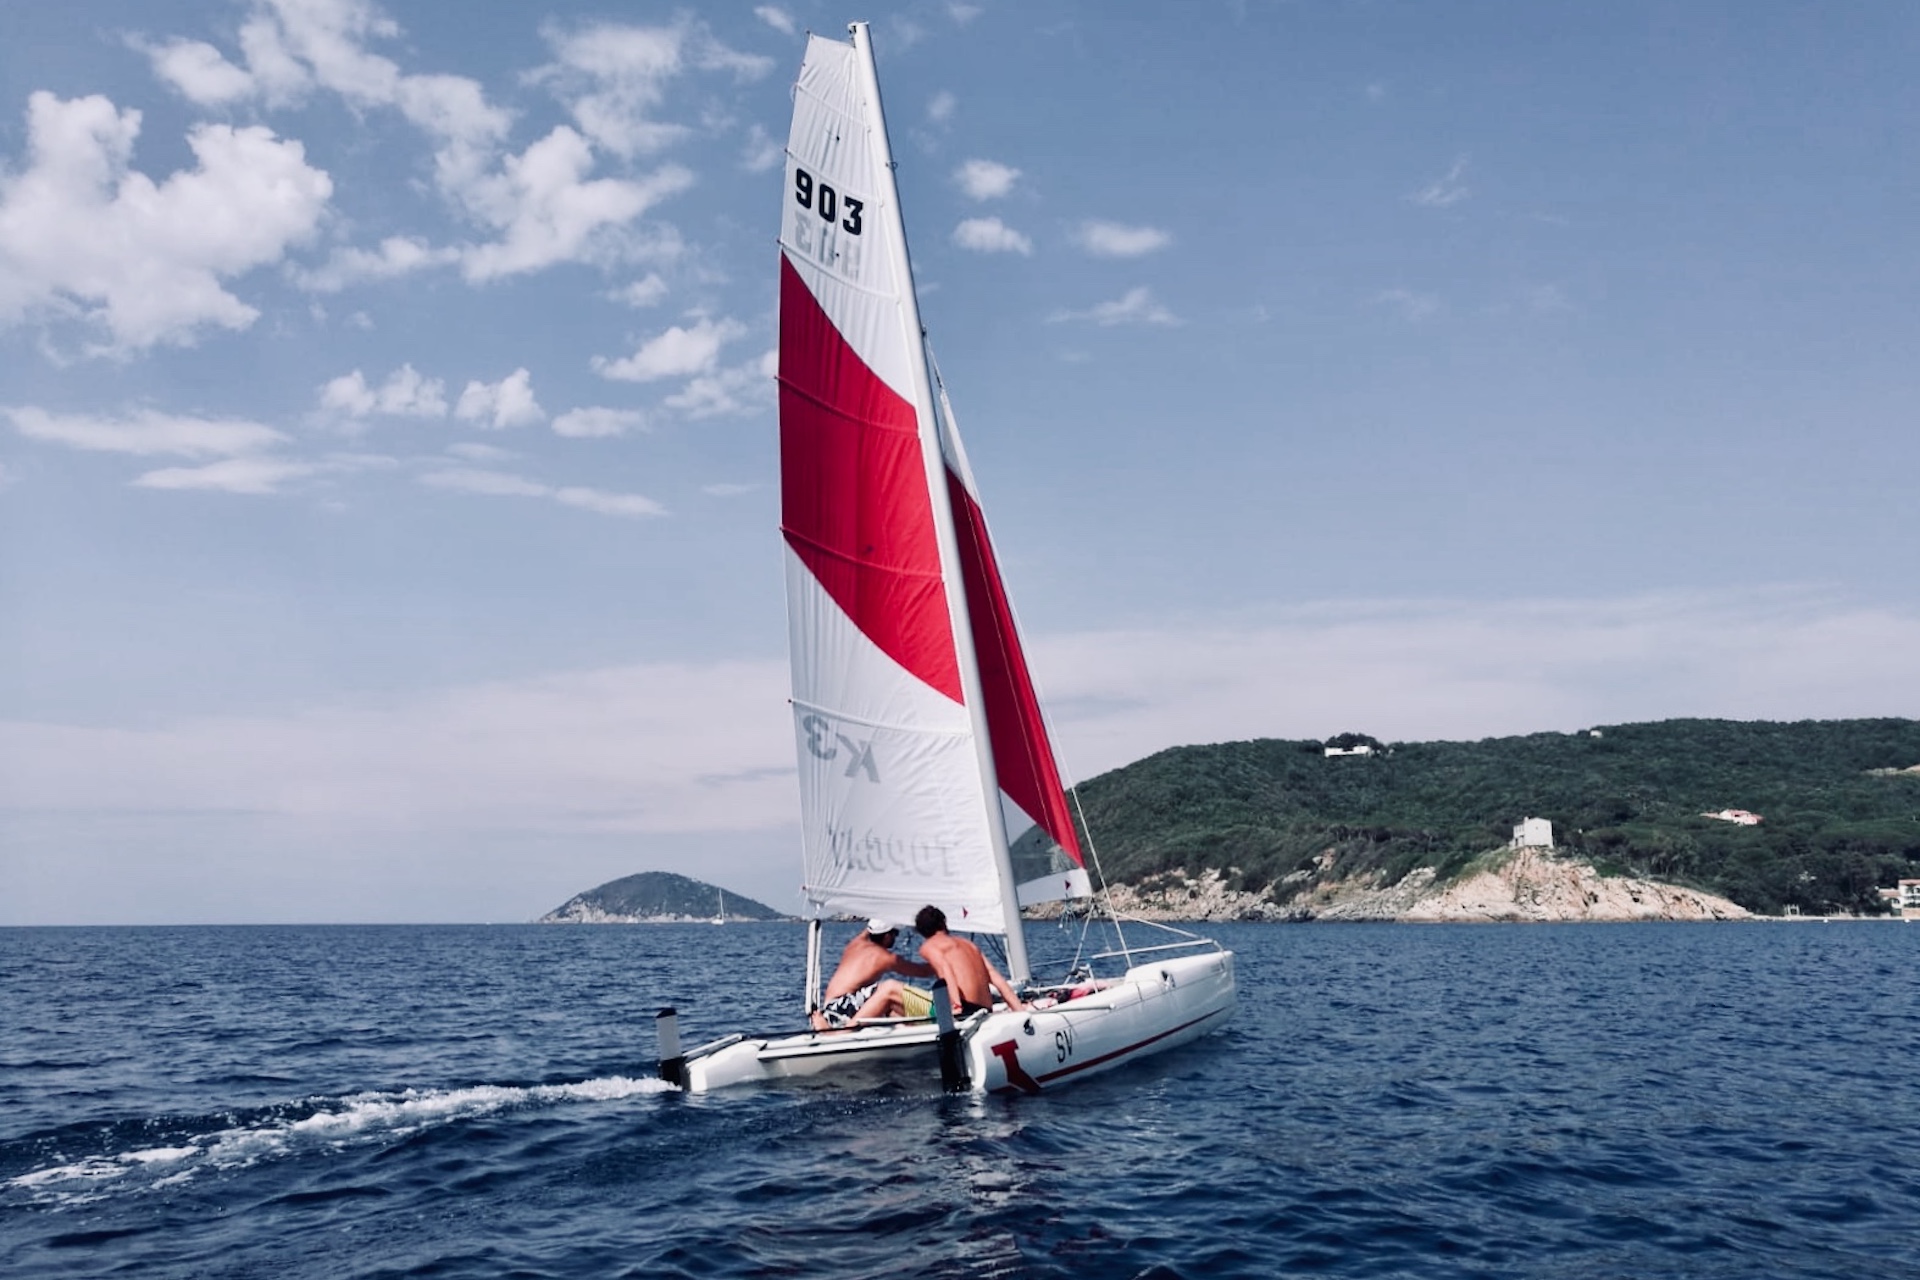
[927,775]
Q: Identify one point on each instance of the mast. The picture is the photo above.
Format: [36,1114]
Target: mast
[950,567]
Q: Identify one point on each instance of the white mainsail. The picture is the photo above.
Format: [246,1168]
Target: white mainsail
[916,730]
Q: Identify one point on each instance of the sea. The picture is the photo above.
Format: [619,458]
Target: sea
[1687,1100]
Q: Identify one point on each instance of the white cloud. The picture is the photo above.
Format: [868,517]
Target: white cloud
[777,18]
[614,77]
[200,73]
[1448,190]
[941,106]
[677,353]
[145,432]
[506,403]
[405,394]
[990,235]
[1412,307]
[233,475]
[541,204]
[290,46]
[727,489]
[504,485]
[608,504]
[741,389]
[762,151]
[644,292]
[397,256]
[591,423]
[474,452]
[547,210]
[82,233]
[1113,240]
[962,13]
[1136,306]
[660,747]
[985,179]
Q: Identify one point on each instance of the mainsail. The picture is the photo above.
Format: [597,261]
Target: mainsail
[923,756]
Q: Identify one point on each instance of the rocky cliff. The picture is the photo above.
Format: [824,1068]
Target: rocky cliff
[1526,885]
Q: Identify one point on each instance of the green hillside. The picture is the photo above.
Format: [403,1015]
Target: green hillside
[1840,819]
[655,895]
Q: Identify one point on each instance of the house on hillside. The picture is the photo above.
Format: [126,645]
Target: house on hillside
[1532,833]
[1740,816]
[1362,750]
[1904,899]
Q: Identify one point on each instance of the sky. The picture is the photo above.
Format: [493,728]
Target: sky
[388,508]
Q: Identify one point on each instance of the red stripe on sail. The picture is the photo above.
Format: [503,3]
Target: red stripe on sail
[1022,756]
[854,504]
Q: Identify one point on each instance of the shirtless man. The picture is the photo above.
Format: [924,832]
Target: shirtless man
[971,977]
[855,984]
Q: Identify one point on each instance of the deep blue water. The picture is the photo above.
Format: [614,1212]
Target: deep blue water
[1657,1100]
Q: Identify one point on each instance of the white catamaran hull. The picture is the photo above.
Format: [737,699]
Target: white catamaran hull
[1154,1007]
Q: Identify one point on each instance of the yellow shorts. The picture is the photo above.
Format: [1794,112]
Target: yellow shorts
[915,1002]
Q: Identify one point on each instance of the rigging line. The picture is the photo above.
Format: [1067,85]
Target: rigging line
[1104,895]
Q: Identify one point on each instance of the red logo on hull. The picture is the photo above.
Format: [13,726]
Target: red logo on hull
[1008,1052]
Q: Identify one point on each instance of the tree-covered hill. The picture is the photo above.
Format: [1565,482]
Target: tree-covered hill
[657,895]
[1840,801]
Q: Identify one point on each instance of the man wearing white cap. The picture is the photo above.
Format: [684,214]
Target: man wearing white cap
[868,958]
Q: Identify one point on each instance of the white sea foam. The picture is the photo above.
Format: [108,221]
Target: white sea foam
[335,1122]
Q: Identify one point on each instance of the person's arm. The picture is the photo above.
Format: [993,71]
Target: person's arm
[1005,988]
[912,968]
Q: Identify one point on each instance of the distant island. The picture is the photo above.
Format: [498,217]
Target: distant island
[658,897]
[1678,819]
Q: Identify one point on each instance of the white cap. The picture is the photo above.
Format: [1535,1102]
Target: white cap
[877,926]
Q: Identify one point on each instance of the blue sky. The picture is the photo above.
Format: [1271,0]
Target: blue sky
[387,493]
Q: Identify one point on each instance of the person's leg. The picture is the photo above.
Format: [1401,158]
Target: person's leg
[885,1002]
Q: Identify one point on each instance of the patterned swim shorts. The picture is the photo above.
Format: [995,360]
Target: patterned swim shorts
[839,1011]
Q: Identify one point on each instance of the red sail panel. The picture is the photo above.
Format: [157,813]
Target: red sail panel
[854,504]
[1022,756]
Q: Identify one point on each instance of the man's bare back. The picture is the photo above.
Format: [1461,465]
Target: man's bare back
[970,977]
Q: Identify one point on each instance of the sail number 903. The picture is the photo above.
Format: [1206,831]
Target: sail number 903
[827,202]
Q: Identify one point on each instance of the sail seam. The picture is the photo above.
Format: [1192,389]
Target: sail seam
[847,281]
[870,424]
[826,104]
[889,726]
[922,575]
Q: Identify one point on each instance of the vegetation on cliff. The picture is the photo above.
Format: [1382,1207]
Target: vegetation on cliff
[1839,799]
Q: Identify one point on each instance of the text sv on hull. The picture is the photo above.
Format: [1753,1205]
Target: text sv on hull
[926,771]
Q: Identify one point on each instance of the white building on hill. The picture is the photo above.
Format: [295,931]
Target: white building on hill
[1533,833]
[1740,816]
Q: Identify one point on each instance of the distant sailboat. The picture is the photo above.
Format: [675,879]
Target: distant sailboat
[720,916]
[927,775]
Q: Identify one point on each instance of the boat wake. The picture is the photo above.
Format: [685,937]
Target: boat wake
[146,1155]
